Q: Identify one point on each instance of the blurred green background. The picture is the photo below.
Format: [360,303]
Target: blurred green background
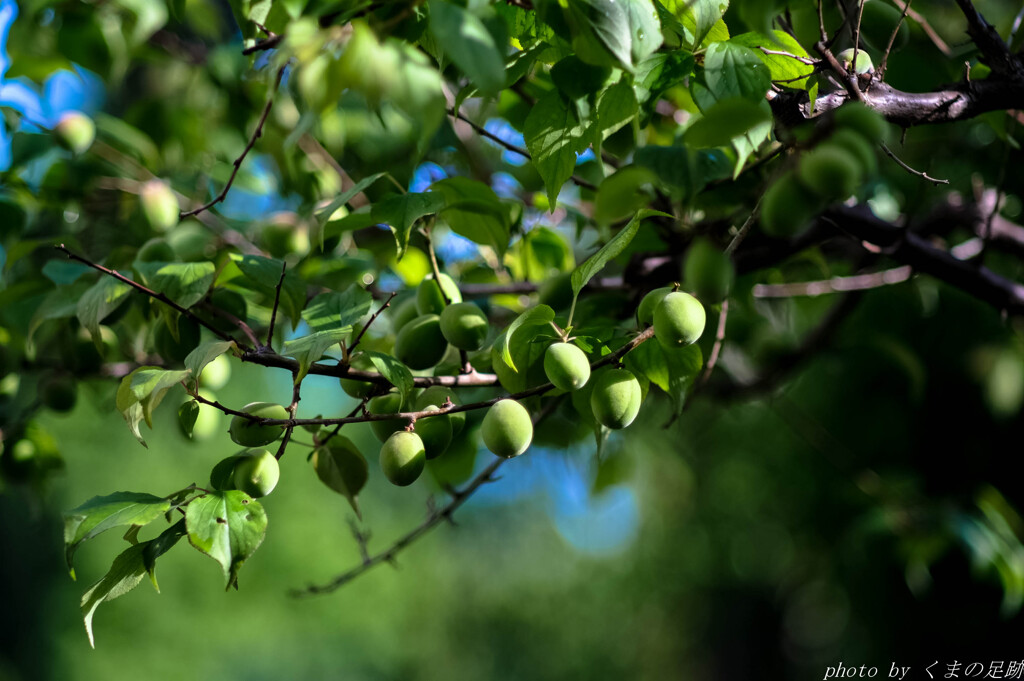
[851,516]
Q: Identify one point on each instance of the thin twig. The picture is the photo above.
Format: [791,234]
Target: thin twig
[148,291]
[484,132]
[910,170]
[892,40]
[296,386]
[434,519]
[371,320]
[936,39]
[716,349]
[277,300]
[237,163]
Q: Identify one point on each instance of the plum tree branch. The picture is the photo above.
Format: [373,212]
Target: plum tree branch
[413,416]
[144,289]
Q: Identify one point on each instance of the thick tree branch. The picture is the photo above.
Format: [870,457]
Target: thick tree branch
[993,49]
[955,103]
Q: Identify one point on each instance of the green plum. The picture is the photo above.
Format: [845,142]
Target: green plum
[435,432]
[615,399]
[566,366]
[678,320]
[507,429]
[420,344]
[391,403]
[250,433]
[464,325]
[428,295]
[256,472]
[402,458]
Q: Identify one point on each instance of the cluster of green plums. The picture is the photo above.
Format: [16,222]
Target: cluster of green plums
[830,171]
[441,318]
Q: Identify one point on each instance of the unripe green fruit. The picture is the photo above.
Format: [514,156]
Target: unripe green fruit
[58,392]
[208,422]
[75,131]
[402,458]
[404,313]
[159,205]
[250,433]
[862,120]
[708,271]
[222,474]
[438,395]
[878,21]
[420,344]
[435,432]
[788,207]
[507,429]
[566,366]
[859,148]
[679,320]
[284,234]
[173,350]
[356,388]
[863,61]
[615,399]
[256,473]
[428,294]
[156,250]
[645,312]
[464,325]
[385,404]
[830,171]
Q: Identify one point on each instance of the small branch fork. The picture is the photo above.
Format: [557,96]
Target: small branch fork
[237,163]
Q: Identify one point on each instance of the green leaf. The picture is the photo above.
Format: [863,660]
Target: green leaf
[659,72]
[140,393]
[726,119]
[400,212]
[183,282]
[554,136]
[466,40]
[684,365]
[616,107]
[343,469]
[309,349]
[595,263]
[540,314]
[205,353]
[126,572]
[672,166]
[781,68]
[698,18]
[188,412]
[334,310]
[60,303]
[630,31]
[105,296]
[227,526]
[155,548]
[124,575]
[474,211]
[265,273]
[735,71]
[622,193]
[99,514]
[393,370]
[648,359]
[323,216]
